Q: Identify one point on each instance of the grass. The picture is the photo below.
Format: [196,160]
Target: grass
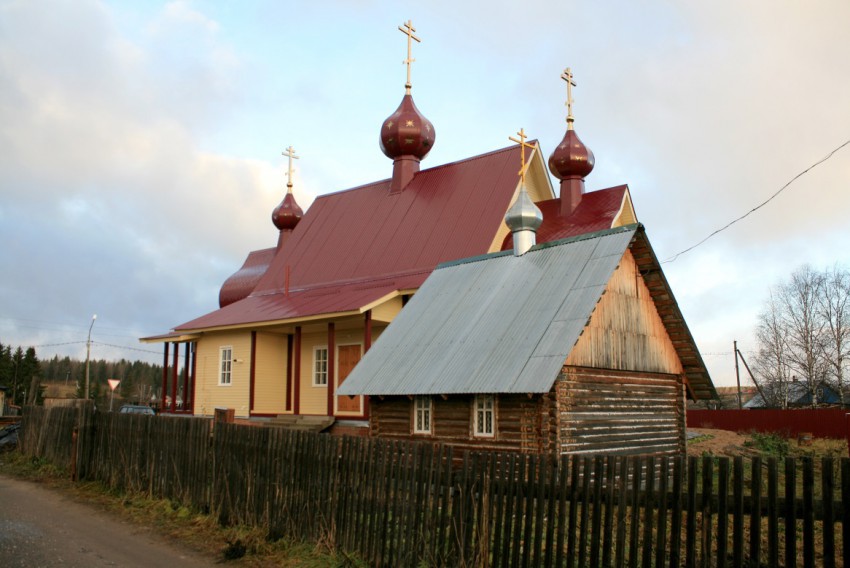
[236,545]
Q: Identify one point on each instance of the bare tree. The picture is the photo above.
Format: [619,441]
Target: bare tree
[799,299]
[771,361]
[834,307]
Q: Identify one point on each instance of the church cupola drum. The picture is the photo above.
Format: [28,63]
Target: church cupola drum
[406,136]
[571,161]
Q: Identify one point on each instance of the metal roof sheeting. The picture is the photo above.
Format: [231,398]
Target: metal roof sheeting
[493,324]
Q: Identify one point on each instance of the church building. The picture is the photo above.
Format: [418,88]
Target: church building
[297,317]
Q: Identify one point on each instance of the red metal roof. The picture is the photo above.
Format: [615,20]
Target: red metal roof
[244,280]
[332,298]
[347,242]
[595,212]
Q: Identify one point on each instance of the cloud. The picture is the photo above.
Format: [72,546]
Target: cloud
[110,204]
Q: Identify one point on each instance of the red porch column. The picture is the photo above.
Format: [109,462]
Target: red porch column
[297,395]
[187,361]
[194,372]
[331,365]
[164,378]
[174,378]
[252,372]
[289,372]
[367,344]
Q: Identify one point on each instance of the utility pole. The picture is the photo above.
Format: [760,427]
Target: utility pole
[88,356]
[737,373]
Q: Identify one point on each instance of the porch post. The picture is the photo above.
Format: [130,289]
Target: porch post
[297,396]
[194,372]
[252,371]
[367,344]
[331,365]
[174,378]
[289,371]
[188,361]
[164,378]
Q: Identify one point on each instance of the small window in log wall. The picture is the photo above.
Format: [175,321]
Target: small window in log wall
[422,406]
[484,418]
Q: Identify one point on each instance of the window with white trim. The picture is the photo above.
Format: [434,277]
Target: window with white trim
[422,406]
[484,419]
[320,366]
[225,367]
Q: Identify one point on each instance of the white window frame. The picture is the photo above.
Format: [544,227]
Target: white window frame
[423,414]
[317,372]
[225,365]
[484,406]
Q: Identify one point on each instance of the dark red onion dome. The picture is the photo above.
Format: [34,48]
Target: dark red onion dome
[571,159]
[407,132]
[286,215]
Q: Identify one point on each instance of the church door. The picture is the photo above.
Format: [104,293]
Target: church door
[347,356]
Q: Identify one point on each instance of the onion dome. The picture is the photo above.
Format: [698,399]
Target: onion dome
[523,215]
[571,159]
[523,219]
[407,132]
[286,215]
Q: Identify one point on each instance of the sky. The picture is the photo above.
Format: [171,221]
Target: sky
[140,142]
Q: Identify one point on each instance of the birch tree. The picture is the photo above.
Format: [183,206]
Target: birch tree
[834,305]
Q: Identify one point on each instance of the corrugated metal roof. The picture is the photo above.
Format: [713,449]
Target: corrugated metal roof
[496,324]
[366,234]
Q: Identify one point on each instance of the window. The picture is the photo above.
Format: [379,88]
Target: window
[225,365]
[320,367]
[422,415]
[484,417]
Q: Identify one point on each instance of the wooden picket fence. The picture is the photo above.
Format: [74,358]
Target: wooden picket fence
[397,503]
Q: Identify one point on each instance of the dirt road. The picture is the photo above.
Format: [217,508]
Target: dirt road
[41,527]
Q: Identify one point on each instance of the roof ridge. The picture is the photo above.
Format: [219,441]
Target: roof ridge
[346,282]
[543,246]
[420,172]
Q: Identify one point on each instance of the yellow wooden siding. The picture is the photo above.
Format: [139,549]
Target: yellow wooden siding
[625,331]
[270,374]
[209,395]
[626,215]
[386,312]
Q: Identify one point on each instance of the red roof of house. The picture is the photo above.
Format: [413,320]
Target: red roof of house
[595,212]
[350,245]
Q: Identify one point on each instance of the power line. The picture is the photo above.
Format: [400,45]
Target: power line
[759,206]
[130,348]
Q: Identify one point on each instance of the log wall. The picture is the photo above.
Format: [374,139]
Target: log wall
[620,412]
[523,423]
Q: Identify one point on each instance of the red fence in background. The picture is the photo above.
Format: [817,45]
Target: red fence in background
[820,423]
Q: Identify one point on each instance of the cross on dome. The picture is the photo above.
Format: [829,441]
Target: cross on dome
[408,30]
[567,76]
[290,153]
[523,145]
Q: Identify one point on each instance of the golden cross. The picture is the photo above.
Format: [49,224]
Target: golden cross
[290,153]
[567,76]
[522,145]
[408,30]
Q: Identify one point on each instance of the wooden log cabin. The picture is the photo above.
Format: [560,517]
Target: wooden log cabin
[575,346]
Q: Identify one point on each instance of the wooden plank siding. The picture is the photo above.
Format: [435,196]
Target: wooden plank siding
[625,330]
[620,412]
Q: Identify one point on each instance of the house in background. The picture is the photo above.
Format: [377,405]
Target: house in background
[296,318]
[793,394]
